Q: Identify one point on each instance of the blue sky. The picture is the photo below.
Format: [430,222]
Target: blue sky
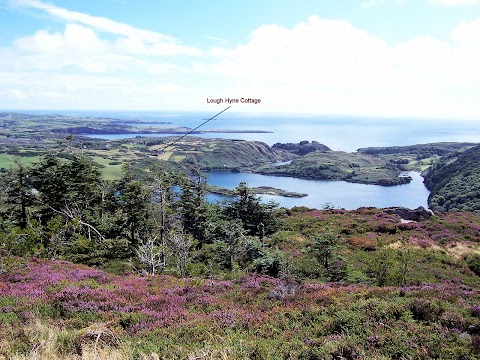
[415,58]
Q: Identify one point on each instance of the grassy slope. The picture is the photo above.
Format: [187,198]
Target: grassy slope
[56,309]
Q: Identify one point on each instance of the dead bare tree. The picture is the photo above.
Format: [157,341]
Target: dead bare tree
[151,255]
[181,244]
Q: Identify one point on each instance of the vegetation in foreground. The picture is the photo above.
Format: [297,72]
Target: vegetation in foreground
[54,309]
[172,276]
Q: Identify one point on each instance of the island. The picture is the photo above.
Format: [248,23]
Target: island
[260,190]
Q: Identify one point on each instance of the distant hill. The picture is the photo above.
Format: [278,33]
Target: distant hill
[339,165]
[420,150]
[214,154]
[454,182]
[302,148]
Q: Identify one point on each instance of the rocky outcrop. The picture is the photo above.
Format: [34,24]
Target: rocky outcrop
[417,214]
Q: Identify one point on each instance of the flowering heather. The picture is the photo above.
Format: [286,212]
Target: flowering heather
[266,315]
[428,304]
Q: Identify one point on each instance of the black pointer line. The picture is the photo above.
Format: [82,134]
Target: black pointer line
[181,137]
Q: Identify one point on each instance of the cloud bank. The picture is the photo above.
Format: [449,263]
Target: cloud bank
[317,66]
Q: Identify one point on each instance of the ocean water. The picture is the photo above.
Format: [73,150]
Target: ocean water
[343,133]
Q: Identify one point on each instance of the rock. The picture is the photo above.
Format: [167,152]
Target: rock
[417,214]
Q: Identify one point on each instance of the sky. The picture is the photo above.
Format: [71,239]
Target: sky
[394,58]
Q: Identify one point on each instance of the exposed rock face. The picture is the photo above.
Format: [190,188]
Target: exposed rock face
[417,214]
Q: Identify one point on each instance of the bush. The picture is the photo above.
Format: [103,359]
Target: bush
[270,263]
[426,310]
[473,262]
[304,267]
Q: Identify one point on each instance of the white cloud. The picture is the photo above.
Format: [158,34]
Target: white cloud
[317,66]
[152,42]
[468,33]
[79,47]
[99,23]
[83,47]
[76,38]
[330,66]
[94,91]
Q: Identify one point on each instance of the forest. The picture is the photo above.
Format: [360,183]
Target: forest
[62,208]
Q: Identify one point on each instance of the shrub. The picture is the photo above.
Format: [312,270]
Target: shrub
[287,289]
[426,310]
[364,243]
[270,263]
[304,267]
[475,311]
[473,262]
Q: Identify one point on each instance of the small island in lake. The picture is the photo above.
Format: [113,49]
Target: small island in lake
[259,190]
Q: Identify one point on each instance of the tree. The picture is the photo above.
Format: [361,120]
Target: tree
[51,184]
[150,255]
[228,235]
[164,212]
[131,201]
[257,219]
[192,203]
[74,183]
[324,249]
[16,195]
[181,244]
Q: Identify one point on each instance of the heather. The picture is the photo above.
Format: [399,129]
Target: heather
[372,310]
[252,316]
[145,268]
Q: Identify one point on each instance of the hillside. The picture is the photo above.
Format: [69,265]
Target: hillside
[339,165]
[174,276]
[420,150]
[454,182]
[401,291]
[374,165]
[210,154]
[302,148]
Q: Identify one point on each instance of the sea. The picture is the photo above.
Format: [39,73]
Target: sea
[341,133]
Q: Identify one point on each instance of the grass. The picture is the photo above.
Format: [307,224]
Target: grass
[8,161]
[109,171]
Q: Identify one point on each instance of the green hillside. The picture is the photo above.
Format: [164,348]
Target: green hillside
[454,182]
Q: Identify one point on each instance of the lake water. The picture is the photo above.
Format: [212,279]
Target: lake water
[340,194]
[346,133]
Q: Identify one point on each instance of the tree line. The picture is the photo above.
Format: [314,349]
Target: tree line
[153,220]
